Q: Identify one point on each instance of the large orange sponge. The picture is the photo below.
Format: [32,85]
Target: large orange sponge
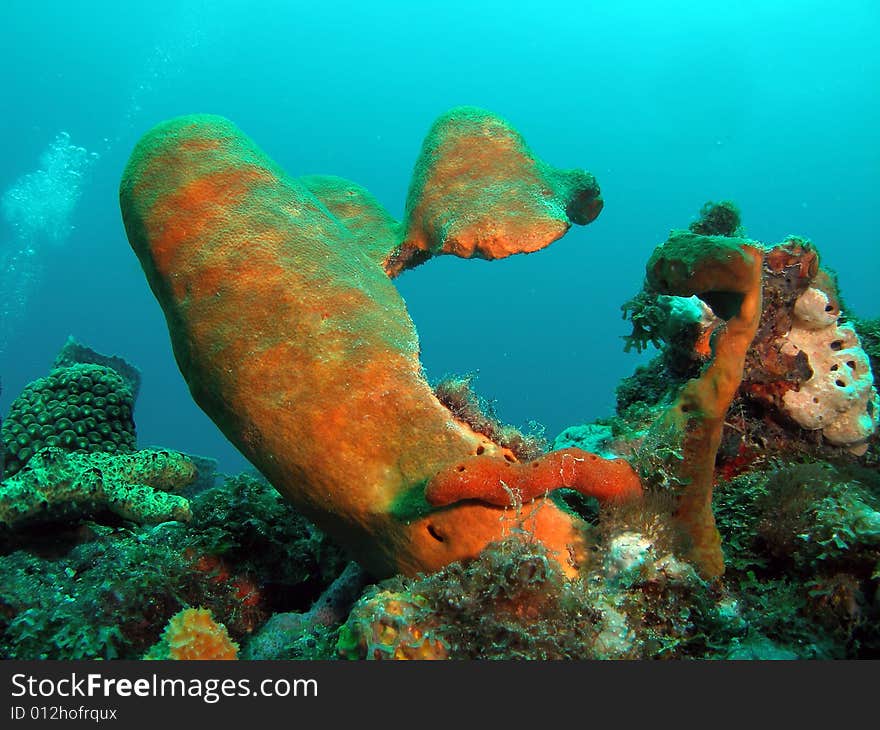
[294,340]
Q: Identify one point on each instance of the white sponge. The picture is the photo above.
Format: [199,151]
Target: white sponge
[840,398]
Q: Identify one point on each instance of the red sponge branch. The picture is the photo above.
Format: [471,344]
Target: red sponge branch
[495,479]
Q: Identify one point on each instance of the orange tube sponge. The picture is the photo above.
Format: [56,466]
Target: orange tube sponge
[294,340]
[725,273]
[494,479]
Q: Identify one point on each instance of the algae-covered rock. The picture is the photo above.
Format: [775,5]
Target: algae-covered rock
[59,485]
[84,590]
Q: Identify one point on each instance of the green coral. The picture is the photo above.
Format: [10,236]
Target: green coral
[102,599]
[801,544]
[647,387]
[56,485]
[81,408]
[812,514]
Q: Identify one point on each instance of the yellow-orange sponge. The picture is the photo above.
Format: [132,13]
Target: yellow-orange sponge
[194,634]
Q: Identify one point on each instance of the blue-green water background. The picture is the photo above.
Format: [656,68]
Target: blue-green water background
[772,104]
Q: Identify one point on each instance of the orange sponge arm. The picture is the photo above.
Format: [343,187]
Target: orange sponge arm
[497,480]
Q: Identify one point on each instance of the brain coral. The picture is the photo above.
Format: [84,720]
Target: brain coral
[80,408]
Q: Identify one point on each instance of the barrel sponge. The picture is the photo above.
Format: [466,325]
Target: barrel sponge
[839,399]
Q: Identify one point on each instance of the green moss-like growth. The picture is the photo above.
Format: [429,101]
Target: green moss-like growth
[802,551]
[813,516]
[107,598]
[673,266]
[246,522]
[718,219]
[83,408]
[511,602]
[648,314]
[646,387]
[869,333]
[458,395]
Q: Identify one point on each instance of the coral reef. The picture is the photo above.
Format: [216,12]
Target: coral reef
[754,427]
[513,602]
[274,302]
[73,352]
[56,485]
[804,555]
[792,369]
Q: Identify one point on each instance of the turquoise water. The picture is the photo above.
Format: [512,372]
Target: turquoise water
[770,104]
